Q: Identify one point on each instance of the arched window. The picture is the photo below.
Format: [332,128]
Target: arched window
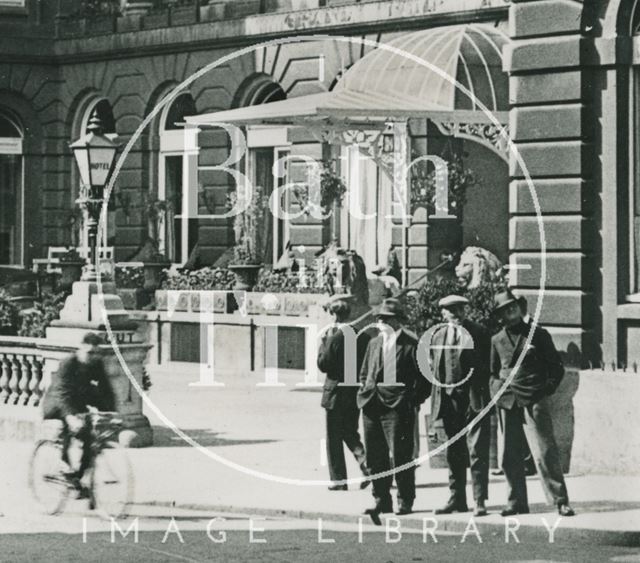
[11,191]
[102,108]
[175,239]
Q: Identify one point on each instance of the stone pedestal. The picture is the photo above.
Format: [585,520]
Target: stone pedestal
[84,311]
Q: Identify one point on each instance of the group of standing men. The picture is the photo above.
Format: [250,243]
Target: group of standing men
[383,372]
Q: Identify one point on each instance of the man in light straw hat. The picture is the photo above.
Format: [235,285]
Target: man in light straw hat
[389,407]
[460,360]
[523,415]
[342,412]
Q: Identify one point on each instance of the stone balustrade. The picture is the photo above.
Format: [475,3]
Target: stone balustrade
[26,366]
[21,369]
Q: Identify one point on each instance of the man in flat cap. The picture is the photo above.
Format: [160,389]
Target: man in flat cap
[460,362]
[392,386]
[523,415]
[339,401]
[80,382]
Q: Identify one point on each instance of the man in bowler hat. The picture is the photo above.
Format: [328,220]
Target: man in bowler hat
[460,361]
[523,415]
[339,401]
[389,407]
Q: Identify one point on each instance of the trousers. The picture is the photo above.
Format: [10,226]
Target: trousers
[342,427]
[472,447]
[531,424]
[84,436]
[389,441]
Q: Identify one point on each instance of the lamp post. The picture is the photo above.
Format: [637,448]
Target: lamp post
[95,155]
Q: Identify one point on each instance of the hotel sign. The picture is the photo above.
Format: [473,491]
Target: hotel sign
[362,13]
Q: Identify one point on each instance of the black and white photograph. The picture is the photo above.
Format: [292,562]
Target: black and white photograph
[303,281]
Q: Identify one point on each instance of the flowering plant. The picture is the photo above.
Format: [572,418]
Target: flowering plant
[246,227]
[129,277]
[332,188]
[423,185]
[288,282]
[423,310]
[8,312]
[38,318]
[203,279]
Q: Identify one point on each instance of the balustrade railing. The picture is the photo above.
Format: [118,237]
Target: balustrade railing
[26,365]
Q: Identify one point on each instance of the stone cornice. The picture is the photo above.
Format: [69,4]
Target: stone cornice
[390,15]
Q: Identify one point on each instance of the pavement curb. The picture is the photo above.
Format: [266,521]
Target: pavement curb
[527,532]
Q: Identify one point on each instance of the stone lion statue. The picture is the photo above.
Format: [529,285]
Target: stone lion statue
[478,266]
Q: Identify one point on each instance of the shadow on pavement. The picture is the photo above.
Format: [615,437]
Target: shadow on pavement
[164,437]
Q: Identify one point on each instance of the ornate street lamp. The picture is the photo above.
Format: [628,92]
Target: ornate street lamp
[388,140]
[95,155]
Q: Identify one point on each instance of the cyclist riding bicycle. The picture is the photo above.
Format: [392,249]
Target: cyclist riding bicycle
[80,382]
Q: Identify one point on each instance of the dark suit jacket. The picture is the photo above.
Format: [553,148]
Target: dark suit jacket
[331,362]
[474,393]
[415,389]
[76,385]
[540,372]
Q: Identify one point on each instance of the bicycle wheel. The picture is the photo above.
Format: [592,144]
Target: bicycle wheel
[47,481]
[111,481]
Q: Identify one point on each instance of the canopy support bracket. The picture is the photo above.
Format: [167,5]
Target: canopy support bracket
[488,134]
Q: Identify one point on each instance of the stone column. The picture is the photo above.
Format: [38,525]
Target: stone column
[548,78]
[84,311]
[546,124]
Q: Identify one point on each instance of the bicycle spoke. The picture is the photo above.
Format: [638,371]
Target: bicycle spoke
[112,481]
[47,480]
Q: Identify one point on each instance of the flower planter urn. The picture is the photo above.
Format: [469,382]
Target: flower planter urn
[246,275]
[153,275]
[71,271]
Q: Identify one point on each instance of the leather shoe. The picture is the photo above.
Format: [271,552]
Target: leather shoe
[565,510]
[364,484]
[450,508]
[404,510]
[374,513]
[82,493]
[513,510]
[480,511]
[338,488]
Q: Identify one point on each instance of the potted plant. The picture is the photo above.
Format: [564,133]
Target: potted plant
[246,263]
[245,266]
[71,264]
[154,261]
[423,185]
[332,189]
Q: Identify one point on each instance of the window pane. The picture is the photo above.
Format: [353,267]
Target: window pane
[10,187]
[8,129]
[173,197]
[263,180]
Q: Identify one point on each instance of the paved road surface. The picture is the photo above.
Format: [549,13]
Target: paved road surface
[284,542]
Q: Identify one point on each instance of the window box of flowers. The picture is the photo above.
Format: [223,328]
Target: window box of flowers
[195,288]
[287,293]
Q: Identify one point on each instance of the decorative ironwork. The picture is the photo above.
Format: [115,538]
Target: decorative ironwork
[369,141]
[487,134]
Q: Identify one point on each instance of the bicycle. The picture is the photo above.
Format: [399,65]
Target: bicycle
[109,475]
